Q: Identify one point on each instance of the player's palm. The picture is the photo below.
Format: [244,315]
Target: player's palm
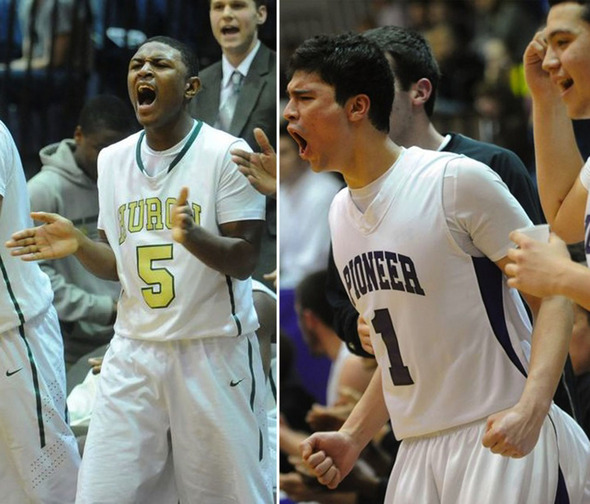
[55,239]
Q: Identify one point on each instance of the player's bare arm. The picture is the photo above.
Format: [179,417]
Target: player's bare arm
[545,269]
[365,335]
[515,431]
[234,253]
[330,456]
[558,159]
[57,238]
[259,167]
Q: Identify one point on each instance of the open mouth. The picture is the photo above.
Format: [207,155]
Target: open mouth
[566,84]
[302,142]
[229,30]
[145,95]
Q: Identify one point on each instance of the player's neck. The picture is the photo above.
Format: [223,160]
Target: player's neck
[370,159]
[164,137]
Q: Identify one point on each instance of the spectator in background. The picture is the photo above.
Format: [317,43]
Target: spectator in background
[86,305]
[305,200]
[244,59]
[238,93]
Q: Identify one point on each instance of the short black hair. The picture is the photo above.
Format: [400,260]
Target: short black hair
[584,3]
[412,58]
[353,65]
[310,293]
[187,53]
[107,112]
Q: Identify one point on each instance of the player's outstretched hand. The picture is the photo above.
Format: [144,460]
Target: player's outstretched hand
[365,335]
[536,265]
[183,219]
[55,239]
[513,432]
[329,456]
[259,167]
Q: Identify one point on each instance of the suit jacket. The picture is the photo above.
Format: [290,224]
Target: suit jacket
[257,102]
[256,108]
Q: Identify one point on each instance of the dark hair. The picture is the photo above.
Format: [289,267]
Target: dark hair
[187,53]
[584,3]
[107,112]
[310,293]
[353,65]
[412,58]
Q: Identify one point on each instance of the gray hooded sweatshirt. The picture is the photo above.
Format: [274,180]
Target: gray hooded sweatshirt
[84,302]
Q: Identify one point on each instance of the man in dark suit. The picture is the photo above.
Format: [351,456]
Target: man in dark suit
[235,27]
[240,104]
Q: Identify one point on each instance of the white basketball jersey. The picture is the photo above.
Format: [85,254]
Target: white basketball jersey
[450,337]
[167,293]
[25,291]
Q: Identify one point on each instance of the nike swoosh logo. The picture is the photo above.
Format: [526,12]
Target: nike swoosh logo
[10,373]
[234,383]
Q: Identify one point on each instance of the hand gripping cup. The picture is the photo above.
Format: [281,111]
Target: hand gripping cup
[540,232]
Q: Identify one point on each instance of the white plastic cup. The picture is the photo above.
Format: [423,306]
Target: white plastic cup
[540,232]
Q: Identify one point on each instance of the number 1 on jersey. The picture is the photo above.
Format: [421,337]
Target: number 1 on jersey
[383,325]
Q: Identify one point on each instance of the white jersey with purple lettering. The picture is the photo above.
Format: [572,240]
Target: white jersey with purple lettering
[585,179]
[450,337]
[166,292]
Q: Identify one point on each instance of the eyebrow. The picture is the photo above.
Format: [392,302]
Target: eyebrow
[557,32]
[298,92]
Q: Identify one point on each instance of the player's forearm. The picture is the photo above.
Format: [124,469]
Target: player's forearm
[550,344]
[235,257]
[369,415]
[97,257]
[573,282]
[558,159]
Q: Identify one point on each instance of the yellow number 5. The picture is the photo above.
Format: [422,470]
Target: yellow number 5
[160,292]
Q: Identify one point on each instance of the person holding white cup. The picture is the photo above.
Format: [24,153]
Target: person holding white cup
[543,267]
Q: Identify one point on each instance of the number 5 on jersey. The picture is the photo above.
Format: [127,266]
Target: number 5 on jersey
[383,325]
[160,292]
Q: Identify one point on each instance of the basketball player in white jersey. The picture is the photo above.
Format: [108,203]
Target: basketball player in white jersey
[179,414]
[38,453]
[466,387]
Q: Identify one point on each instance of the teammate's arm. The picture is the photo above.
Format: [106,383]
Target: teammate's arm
[514,432]
[331,455]
[58,238]
[234,253]
[545,269]
[558,159]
